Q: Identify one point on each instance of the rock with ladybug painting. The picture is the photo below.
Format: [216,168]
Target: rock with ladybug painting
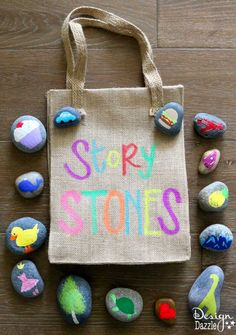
[209,126]
[165,310]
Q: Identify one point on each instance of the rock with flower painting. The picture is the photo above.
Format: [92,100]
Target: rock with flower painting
[165,310]
[208,125]
[169,118]
[209,161]
[216,237]
[214,197]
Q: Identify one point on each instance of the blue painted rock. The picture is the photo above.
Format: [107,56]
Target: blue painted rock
[209,161]
[66,117]
[204,295]
[165,310]
[25,235]
[216,237]
[124,304]
[169,118]
[26,279]
[30,184]
[28,134]
[214,197]
[209,126]
[75,299]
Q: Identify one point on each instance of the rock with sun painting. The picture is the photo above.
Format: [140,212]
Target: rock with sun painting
[209,161]
[75,299]
[214,197]
[66,117]
[26,279]
[216,237]
[169,118]
[124,304]
[165,310]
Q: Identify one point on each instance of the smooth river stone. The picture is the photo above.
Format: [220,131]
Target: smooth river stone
[209,161]
[204,295]
[214,197]
[66,117]
[209,126]
[74,298]
[165,310]
[216,237]
[169,118]
[25,235]
[30,184]
[26,279]
[124,304]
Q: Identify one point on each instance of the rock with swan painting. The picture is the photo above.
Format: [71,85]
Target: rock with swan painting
[209,161]
[169,118]
[204,295]
[25,235]
[216,237]
[74,298]
[28,134]
[26,279]
[30,184]
[165,310]
[214,197]
[66,117]
[208,125]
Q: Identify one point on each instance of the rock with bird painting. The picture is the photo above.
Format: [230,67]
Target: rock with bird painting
[165,310]
[30,184]
[26,279]
[169,118]
[25,235]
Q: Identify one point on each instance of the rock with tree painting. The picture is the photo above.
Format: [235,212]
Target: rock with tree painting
[214,197]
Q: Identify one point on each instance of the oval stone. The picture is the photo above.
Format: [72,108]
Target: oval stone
[124,304]
[66,117]
[209,126]
[30,184]
[214,197]
[165,310]
[74,299]
[169,118]
[28,134]
[216,237]
[204,295]
[25,235]
[26,279]
[209,161]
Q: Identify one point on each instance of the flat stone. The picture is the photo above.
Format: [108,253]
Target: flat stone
[209,161]
[26,279]
[28,134]
[25,235]
[214,197]
[216,237]
[204,295]
[165,310]
[124,304]
[66,117]
[30,184]
[74,298]
[208,125]
[169,118]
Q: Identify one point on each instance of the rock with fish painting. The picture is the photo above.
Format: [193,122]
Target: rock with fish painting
[214,197]
[209,126]
[165,310]
[216,237]
[204,295]
[124,304]
[74,299]
[66,117]
[26,279]
[30,184]
[28,134]
[169,118]
[209,161]
[25,235]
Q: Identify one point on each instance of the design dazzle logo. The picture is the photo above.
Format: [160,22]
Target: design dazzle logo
[219,322]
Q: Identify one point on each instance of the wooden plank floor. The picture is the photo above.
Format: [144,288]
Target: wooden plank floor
[194,44]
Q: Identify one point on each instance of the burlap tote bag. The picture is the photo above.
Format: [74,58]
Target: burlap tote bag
[118,187]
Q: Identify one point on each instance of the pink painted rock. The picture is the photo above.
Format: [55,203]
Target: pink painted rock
[209,161]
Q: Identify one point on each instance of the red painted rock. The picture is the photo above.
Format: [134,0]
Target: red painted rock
[209,161]
[165,310]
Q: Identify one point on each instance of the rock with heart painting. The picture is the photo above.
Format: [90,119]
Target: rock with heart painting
[214,197]
[169,118]
[165,310]
[209,161]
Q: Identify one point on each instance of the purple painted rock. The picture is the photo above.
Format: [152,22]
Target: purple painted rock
[209,161]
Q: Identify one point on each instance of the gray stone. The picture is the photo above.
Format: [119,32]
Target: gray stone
[209,161]
[214,197]
[30,184]
[209,126]
[169,118]
[67,117]
[216,237]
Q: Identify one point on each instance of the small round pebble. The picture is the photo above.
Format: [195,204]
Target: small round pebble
[165,310]
[28,134]
[66,117]
[214,197]
[25,235]
[74,298]
[26,279]
[30,184]
[169,118]
[209,161]
[216,237]
[124,304]
[208,125]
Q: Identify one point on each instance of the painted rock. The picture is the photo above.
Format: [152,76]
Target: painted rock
[209,161]
[75,299]
[67,116]
[26,279]
[124,304]
[25,235]
[165,310]
[216,237]
[30,184]
[214,197]
[204,295]
[209,126]
[169,118]
[28,134]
